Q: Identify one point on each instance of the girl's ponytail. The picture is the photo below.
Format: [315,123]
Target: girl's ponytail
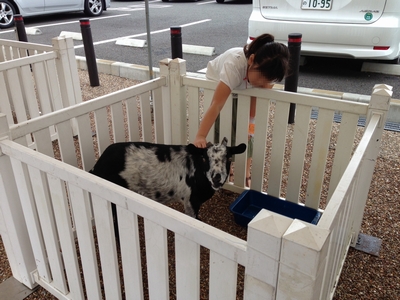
[257,43]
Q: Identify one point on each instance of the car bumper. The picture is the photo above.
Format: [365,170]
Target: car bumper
[336,39]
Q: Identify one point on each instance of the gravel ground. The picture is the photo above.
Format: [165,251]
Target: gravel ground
[363,276]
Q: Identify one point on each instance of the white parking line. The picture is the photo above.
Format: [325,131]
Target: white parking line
[142,34]
[71,22]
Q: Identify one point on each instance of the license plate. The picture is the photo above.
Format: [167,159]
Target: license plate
[316,4]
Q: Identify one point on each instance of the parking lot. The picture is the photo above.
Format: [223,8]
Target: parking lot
[203,23]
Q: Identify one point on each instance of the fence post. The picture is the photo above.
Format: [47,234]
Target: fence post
[303,261]
[13,228]
[177,68]
[166,100]
[89,52]
[176,42]
[264,239]
[379,104]
[291,82]
[67,71]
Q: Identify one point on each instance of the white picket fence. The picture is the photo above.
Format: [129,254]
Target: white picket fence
[37,79]
[56,221]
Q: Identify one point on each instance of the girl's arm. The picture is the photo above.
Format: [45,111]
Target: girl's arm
[220,96]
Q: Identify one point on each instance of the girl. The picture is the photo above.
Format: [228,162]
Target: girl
[259,64]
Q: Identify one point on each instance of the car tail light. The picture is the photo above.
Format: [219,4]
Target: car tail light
[381,47]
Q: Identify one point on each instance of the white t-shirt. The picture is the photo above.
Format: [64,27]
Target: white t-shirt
[231,68]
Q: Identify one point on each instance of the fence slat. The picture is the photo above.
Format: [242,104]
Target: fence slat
[259,147]
[48,227]
[117,118]
[54,87]
[16,95]
[130,253]
[193,111]
[28,88]
[133,122]
[14,226]
[279,133]
[66,236]
[39,73]
[223,277]
[85,142]
[107,247]
[102,131]
[242,125]
[66,143]
[299,147]
[343,149]
[208,95]
[225,121]
[157,260]
[145,112]
[158,116]
[79,200]
[5,103]
[319,156]
[187,256]
[43,142]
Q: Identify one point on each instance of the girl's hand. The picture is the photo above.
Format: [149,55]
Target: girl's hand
[200,142]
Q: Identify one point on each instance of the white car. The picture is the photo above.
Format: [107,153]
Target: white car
[362,29]
[27,8]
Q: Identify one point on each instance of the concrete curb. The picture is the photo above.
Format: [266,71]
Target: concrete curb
[141,73]
[381,68]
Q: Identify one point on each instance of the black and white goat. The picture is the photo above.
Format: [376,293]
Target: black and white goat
[168,173]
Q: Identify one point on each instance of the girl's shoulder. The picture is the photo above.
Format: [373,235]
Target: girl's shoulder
[233,53]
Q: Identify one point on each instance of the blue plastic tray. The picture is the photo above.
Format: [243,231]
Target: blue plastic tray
[250,202]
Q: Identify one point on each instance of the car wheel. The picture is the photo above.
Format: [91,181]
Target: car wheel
[7,12]
[395,61]
[94,7]
[220,1]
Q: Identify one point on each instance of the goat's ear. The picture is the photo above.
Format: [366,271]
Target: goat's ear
[192,149]
[237,149]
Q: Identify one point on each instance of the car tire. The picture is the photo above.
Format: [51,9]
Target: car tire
[93,8]
[7,13]
[394,61]
[220,1]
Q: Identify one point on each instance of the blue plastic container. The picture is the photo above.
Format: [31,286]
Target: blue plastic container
[250,202]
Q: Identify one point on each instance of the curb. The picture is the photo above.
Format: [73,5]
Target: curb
[381,68]
[141,73]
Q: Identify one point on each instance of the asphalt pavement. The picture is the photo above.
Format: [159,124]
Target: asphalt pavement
[204,23]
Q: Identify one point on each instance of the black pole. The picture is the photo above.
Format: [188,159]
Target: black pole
[89,52]
[20,28]
[176,42]
[291,82]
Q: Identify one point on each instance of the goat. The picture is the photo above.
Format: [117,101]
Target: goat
[168,173]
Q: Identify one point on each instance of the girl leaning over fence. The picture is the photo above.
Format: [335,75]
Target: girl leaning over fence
[259,64]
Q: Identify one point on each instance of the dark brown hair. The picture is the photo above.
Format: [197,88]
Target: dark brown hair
[271,58]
